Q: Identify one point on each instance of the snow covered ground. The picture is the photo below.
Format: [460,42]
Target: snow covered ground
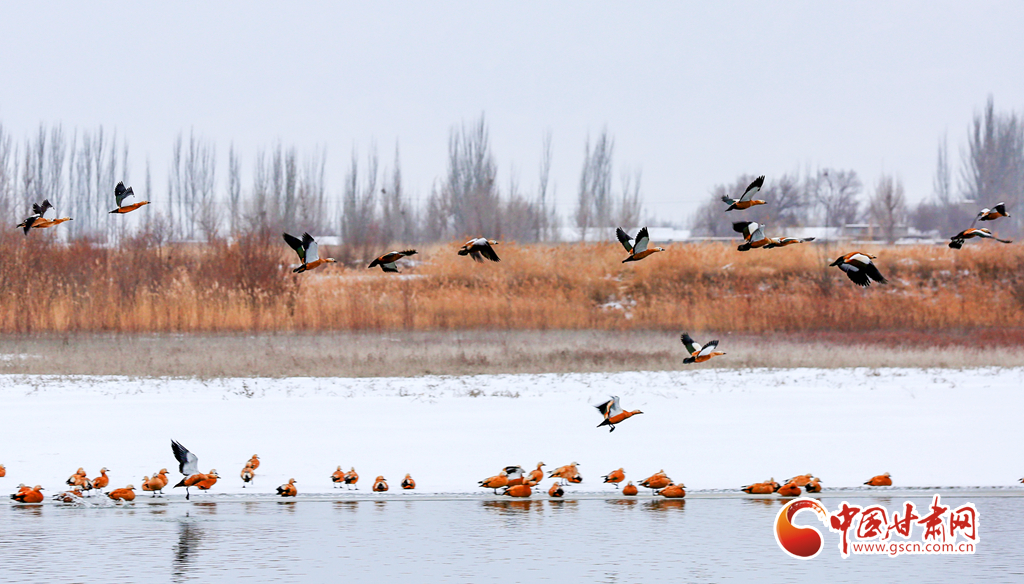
[711,429]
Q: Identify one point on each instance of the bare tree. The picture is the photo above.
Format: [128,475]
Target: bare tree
[548,218]
[234,190]
[836,193]
[888,207]
[8,176]
[594,204]
[310,197]
[360,229]
[631,202]
[397,217]
[993,162]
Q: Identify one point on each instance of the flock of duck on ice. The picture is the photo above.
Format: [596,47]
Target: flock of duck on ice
[513,481]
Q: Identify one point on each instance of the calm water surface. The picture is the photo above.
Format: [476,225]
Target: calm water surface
[591,540]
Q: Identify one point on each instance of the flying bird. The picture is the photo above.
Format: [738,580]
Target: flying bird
[387,261]
[991,214]
[753,234]
[480,248]
[613,413]
[188,465]
[37,219]
[859,268]
[957,241]
[699,354]
[308,251]
[120,194]
[746,200]
[774,242]
[638,249]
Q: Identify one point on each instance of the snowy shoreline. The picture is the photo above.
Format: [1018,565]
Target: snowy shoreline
[710,429]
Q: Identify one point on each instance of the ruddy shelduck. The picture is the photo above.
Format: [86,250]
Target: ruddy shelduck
[636,248]
[673,491]
[338,477]
[801,480]
[766,488]
[613,413]
[248,474]
[747,199]
[698,353]
[288,489]
[516,475]
[957,241]
[407,483]
[753,235]
[556,490]
[254,462]
[3,471]
[78,479]
[69,497]
[518,491]
[615,477]
[814,486]
[380,484]
[352,477]
[308,252]
[859,268]
[656,481]
[208,481]
[159,481]
[774,242]
[479,248]
[882,480]
[33,495]
[188,465]
[387,261]
[125,494]
[630,489]
[146,486]
[789,490]
[496,482]
[99,483]
[992,214]
[537,474]
[37,219]
[120,194]
[568,473]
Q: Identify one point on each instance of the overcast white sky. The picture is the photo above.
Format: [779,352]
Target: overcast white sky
[694,93]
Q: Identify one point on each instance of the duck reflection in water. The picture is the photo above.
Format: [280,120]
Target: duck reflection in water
[662,505]
[522,506]
[189,534]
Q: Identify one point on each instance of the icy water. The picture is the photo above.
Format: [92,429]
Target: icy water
[469,540]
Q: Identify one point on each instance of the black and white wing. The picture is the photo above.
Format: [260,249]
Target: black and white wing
[758,233]
[40,209]
[312,249]
[624,239]
[708,348]
[121,193]
[753,188]
[690,344]
[391,267]
[188,463]
[642,240]
[610,407]
[296,244]
[745,227]
[487,251]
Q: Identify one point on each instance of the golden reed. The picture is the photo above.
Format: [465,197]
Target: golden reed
[49,287]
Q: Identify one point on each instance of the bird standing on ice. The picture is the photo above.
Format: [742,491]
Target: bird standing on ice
[789,489]
[613,413]
[537,474]
[656,481]
[859,268]
[567,473]
[120,194]
[480,248]
[747,199]
[814,486]
[407,483]
[188,465]
[387,261]
[673,491]
[882,480]
[638,249]
[496,482]
[615,477]
[338,477]
[308,252]
[208,481]
[247,474]
[766,488]
[99,483]
[380,484]
[699,354]
[352,477]
[3,471]
[629,490]
[288,489]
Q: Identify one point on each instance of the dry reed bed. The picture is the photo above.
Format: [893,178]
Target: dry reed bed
[141,287]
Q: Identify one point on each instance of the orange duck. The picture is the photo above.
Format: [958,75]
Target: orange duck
[387,261]
[120,194]
[338,477]
[208,481]
[352,477]
[69,497]
[380,484]
[638,249]
[656,481]
[629,490]
[308,252]
[516,475]
[479,248]
[814,486]
[288,489]
[78,479]
[789,490]
[99,483]
[753,235]
[747,199]
[556,490]
[615,477]
[567,473]
[766,488]
[145,485]
[125,494]
[254,462]
[518,491]
[882,480]
[248,474]
[188,465]
[673,491]
[496,482]
[801,480]
[859,268]
[159,481]
[3,471]
[407,483]
[26,495]
[613,413]
[537,474]
[699,354]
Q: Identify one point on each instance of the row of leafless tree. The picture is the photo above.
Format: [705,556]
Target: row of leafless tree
[992,171]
